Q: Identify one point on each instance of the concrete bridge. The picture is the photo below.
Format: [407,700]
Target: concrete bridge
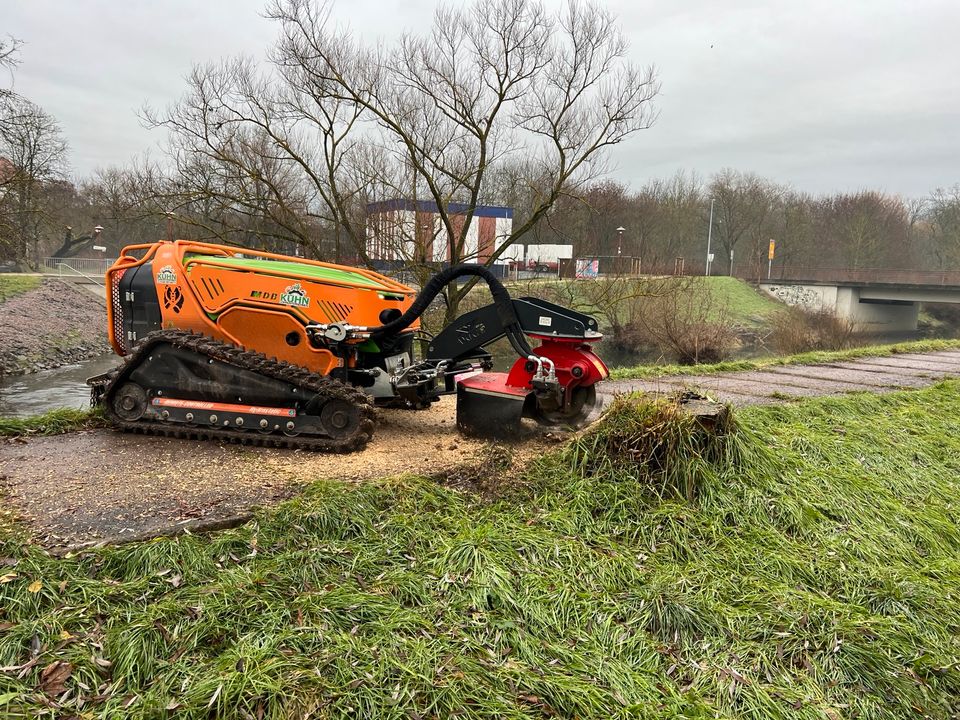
[876,300]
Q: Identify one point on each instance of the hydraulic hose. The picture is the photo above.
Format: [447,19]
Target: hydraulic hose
[501,298]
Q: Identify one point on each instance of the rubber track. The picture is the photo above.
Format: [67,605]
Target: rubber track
[301,377]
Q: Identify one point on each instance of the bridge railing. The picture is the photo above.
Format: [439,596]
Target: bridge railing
[867,276]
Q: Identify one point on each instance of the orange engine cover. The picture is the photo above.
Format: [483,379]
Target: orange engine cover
[257,300]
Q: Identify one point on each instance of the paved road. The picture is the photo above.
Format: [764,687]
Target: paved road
[778,383]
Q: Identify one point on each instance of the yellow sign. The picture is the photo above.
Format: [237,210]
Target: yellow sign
[773,246]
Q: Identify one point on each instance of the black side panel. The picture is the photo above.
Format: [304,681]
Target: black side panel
[465,337]
[141,307]
[182,373]
[540,317]
[570,323]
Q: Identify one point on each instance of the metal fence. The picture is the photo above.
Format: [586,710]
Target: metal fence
[91,270]
[85,266]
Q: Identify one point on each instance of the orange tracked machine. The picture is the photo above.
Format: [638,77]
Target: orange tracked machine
[230,343]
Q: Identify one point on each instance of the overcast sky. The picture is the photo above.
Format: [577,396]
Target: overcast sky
[824,95]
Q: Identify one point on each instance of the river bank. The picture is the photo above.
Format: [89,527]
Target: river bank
[52,325]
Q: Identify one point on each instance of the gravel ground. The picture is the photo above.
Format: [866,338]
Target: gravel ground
[56,324]
[105,485]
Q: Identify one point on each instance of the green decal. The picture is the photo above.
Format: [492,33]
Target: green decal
[167,275]
[294,295]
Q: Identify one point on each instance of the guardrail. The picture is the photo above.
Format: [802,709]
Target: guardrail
[91,266]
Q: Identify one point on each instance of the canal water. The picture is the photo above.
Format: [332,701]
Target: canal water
[23,395]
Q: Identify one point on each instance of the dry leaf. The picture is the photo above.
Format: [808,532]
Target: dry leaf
[216,694]
[54,677]
[7,577]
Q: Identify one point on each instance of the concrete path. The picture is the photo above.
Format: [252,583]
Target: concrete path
[785,382]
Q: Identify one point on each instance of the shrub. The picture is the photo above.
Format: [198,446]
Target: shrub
[796,330]
[679,318]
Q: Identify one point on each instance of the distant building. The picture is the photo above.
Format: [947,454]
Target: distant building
[7,170]
[412,230]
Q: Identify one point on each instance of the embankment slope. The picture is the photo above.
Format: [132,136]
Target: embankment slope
[54,324]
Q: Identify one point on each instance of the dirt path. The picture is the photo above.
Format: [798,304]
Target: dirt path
[102,485]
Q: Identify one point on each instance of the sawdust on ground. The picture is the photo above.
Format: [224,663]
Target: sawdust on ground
[105,485]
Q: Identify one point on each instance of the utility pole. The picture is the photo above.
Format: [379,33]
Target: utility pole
[620,249]
[709,239]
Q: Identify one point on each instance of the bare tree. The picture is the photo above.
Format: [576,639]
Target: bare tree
[794,232]
[943,213]
[744,202]
[33,144]
[123,201]
[9,47]
[869,229]
[675,220]
[431,118]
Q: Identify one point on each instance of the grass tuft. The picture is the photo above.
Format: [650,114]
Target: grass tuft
[54,422]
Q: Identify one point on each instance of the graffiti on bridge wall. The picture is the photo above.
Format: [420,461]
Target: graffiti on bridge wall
[806,297]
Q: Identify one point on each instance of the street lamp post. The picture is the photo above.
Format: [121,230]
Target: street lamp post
[620,248]
[709,239]
[96,236]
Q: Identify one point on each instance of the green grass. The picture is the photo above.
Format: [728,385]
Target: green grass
[745,305]
[53,422]
[732,300]
[809,358]
[12,285]
[801,564]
